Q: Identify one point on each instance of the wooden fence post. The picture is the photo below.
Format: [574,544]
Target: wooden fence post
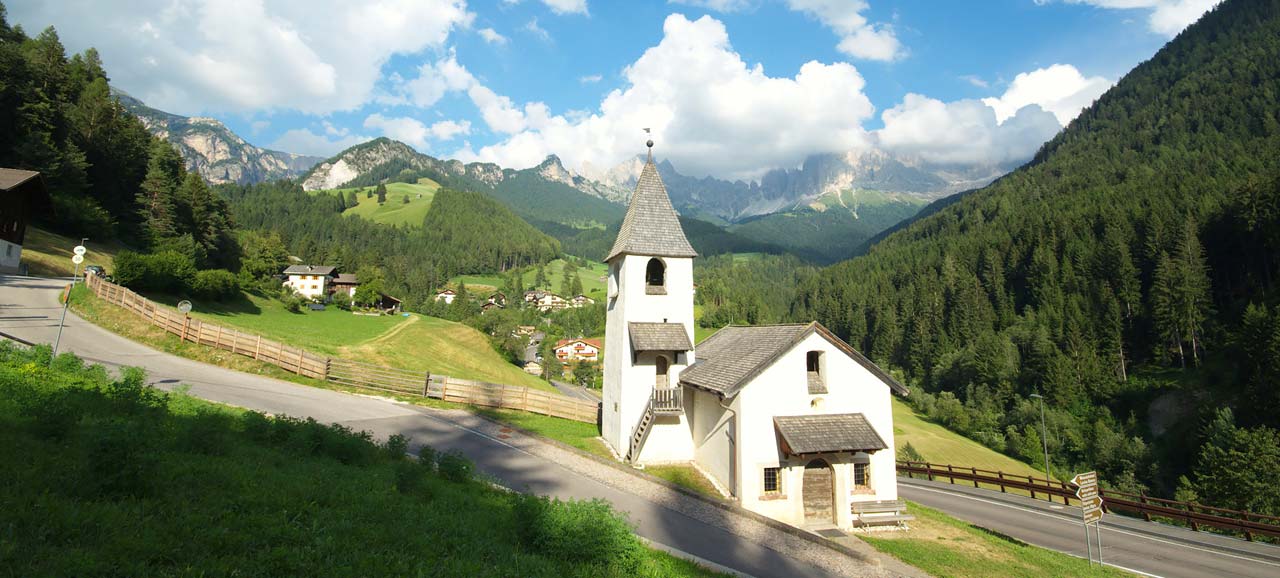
[1001,476]
[327,361]
[426,384]
[186,322]
[975,476]
[257,347]
[1031,483]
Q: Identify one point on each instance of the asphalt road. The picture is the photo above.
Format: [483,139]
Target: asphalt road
[575,391]
[29,310]
[1127,543]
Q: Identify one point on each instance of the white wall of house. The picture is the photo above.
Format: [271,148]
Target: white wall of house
[780,390]
[10,255]
[628,379]
[713,433]
[309,286]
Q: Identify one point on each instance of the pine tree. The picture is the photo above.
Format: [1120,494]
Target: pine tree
[381,192]
[1194,288]
[1164,307]
[155,199]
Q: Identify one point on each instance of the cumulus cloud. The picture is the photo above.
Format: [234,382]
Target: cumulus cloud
[859,38]
[446,130]
[1060,89]
[491,36]
[711,112]
[590,79]
[245,55]
[1167,17]
[717,5]
[533,28]
[414,132]
[963,132]
[305,142]
[567,6]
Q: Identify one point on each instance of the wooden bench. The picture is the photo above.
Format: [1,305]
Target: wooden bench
[880,512]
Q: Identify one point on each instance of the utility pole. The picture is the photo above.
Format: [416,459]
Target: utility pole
[1044,436]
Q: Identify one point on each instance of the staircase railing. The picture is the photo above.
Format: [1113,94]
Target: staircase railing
[667,400]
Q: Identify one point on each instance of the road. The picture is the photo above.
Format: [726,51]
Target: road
[1127,543]
[29,310]
[575,391]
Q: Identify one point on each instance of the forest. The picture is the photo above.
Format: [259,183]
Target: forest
[1127,273]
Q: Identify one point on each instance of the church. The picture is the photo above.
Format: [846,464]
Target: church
[789,420]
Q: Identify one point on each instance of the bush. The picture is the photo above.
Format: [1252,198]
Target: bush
[121,462]
[427,457]
[292,303]
[455,467]
[54,415]
[207,432]
[257,426]
[396,447]
[166,271]
[409,477]
[132,396]
[580,530]
[215,284]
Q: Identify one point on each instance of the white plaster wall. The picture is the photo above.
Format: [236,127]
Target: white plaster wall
[303,286]
[10,255]
[782,390]
[712,427]
[628,384]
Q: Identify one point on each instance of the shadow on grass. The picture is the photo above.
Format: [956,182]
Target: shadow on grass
[1000,535]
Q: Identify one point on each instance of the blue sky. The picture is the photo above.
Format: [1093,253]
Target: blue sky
[731,87]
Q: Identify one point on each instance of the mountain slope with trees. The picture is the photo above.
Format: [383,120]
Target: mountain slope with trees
[1128,273]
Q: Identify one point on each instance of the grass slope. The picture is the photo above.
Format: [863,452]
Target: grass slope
[109,477]
[395,211]
[49,254]
[940,445]
[592,285]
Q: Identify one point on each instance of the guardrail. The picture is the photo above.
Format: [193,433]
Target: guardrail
[344,371]
[1190,513]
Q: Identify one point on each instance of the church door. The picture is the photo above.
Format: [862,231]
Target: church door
[819,492]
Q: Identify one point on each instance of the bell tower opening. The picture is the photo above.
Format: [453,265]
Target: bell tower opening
[655,277]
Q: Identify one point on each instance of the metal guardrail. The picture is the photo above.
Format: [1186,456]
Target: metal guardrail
[1192,514]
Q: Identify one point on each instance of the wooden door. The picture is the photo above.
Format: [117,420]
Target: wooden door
[819,492]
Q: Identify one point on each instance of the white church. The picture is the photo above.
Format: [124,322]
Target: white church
[789,420]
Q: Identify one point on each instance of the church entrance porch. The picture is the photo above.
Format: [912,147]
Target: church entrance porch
[818,492]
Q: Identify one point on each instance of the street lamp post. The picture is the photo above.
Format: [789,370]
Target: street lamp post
[1044,436]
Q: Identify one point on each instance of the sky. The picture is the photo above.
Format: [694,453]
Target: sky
[728,88]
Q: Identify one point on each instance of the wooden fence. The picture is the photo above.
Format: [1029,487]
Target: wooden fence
[1190,513]
[344,371]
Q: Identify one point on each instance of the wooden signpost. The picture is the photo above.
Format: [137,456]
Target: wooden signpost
[1091,509]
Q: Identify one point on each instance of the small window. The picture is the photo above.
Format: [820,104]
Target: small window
[862,475]
[773,480]
[814,369]
[655,277]
[662,366]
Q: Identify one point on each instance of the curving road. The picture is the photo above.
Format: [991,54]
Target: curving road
[668,519]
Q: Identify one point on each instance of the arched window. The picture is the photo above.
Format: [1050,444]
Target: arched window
[661,380]
[816,375]
[655,277]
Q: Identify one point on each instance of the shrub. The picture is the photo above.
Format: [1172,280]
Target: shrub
[215,284]
[257,426]
[167,271]
[427,457]
[120,462]
[292,304]
[409,477]
[207,432]
[396,447]
[132,396]
[455,467]
[131,268]
[580,530]
[54,415]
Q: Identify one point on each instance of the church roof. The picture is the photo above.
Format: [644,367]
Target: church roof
[659,337]
[819,434]
[730,359]
[651,226]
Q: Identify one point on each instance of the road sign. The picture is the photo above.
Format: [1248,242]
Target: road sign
[77,259]
[184,306]
[1090,508]
[1086,480]
[79,250]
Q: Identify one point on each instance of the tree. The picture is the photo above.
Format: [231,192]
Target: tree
[404,200]
[156,197]
[368,194]
[381,192]
[1194,288]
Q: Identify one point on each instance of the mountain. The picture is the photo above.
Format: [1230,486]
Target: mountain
[213,150]
[832,227]
[1128,273]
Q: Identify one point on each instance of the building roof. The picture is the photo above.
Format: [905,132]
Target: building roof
[731,358]
[310,270]
[346,279]
[651,226]
[592,342]
[447,292]
[659,337]
[11,178]
[819,434]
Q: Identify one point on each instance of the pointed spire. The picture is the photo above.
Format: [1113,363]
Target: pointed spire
[651,226]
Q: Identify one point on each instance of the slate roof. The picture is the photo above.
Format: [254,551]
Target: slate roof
[659,337]
[309,270]
[817,434]
[592,342]
[10,178]
[346,279]
[651,226]
[731,358]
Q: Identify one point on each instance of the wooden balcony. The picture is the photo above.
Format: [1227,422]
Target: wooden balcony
[668,400]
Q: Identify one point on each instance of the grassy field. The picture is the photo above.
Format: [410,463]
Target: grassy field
[592,285]
[687,477]
[110,477]
[326,332]
[49,254]
[942,446]
[395,211]
[946,547]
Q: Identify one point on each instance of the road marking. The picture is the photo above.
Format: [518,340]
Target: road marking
[1109,528]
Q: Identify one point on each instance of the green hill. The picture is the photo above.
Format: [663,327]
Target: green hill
[394,211]
[1140,240]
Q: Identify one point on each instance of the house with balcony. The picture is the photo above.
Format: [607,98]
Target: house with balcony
[788,420]
[310,281]
[578,350]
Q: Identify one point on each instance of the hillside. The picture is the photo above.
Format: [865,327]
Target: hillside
[832,227]
[49,254]
[395,211]
[1139,241]
[213,150]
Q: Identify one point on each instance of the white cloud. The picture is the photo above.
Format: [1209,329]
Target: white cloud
[407,130]
[1059,89]
[435,79]
[963,132]
[590,79]
[717,5]
[195,56]
[445,130]
[491,36]
[533,28]
[567,6]
[975,80]
[259,125]
[710,111]
[858,37]
[1167,17]
[305,142]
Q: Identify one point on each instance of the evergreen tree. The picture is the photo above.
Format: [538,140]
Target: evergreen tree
[156,197]
[1193,289]
[381,192]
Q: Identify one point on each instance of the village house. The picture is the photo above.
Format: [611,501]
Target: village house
[581,301]
[447,296]
[533,368]
[578,350]
[311,282]
[489,306]
[344,284]
[788,420]
[498,298]
[525,329]
[21,192]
